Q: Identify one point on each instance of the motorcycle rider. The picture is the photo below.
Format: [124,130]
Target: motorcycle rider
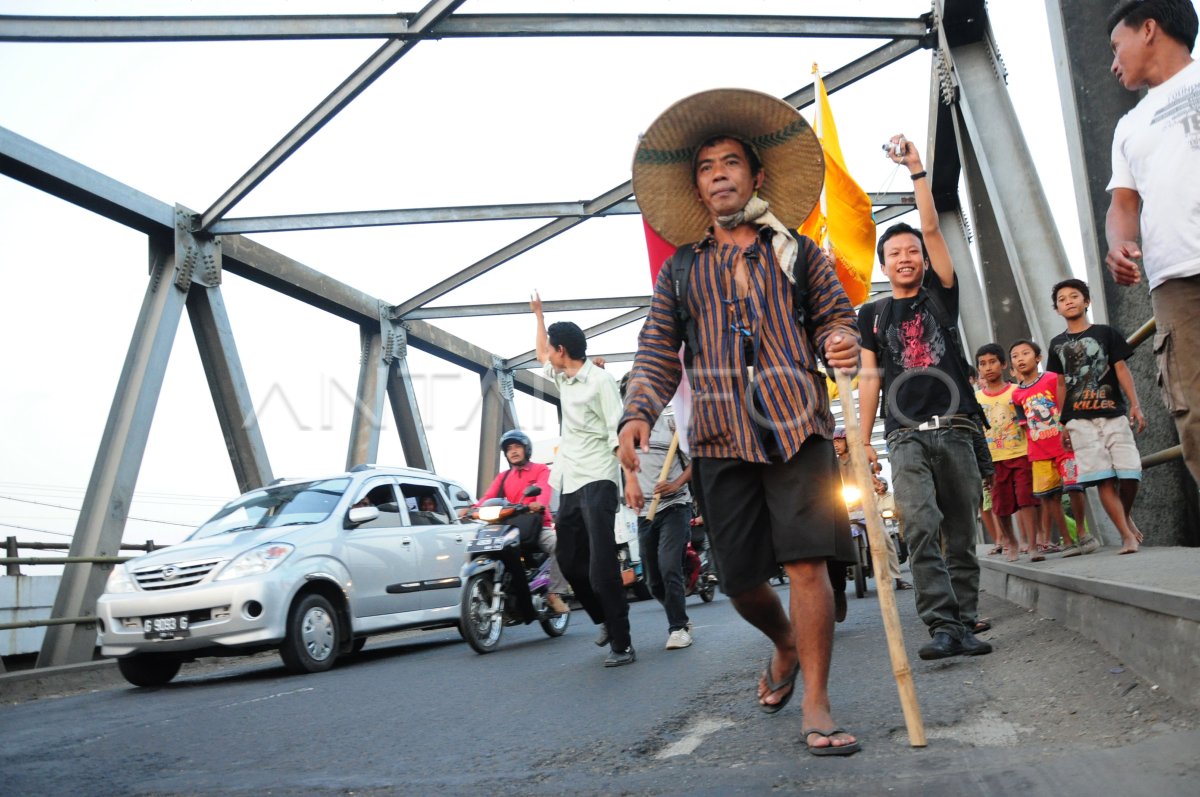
[536,526]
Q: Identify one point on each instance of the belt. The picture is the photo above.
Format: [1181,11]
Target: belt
[946,422]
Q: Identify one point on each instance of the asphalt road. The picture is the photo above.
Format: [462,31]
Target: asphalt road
[423,714]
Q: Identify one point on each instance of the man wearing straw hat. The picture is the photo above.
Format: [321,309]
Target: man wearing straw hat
[730,173]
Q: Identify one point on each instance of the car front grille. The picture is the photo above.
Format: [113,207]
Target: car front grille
[174,576]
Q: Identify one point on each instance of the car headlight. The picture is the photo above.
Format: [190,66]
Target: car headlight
[256,561]
[119,580]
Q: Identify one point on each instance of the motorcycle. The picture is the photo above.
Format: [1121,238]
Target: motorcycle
[700,577]
[498,569]
[862,545]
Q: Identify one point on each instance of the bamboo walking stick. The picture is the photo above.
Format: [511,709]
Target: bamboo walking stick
[662,475]
[887,596]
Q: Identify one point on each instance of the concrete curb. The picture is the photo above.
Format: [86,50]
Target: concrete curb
[1120,604]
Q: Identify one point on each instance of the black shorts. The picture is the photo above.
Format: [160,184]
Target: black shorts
[760,516]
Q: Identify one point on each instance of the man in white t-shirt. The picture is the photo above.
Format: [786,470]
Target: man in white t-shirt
[1155,190]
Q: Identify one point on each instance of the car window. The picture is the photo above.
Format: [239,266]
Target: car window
[382,496]
[426,506]
[281,505]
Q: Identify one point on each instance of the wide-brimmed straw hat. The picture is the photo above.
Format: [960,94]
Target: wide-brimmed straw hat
[663,167]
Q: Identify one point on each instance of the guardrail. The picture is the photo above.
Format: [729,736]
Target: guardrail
[1167,454]
[13,562]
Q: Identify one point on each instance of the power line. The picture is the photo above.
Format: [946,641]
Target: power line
[76,509]
[39,531]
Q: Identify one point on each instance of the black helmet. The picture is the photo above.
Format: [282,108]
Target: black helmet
[517,436]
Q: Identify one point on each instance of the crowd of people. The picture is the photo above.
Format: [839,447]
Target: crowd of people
[751,309]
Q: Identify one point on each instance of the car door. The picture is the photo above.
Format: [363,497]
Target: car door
[441,538]
[382,554]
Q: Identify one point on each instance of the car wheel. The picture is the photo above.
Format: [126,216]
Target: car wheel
[479,625]
[311,644]
[149,669]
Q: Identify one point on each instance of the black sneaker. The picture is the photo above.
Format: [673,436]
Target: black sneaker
[943,646]
[973,646]
[602,637]
[619,658]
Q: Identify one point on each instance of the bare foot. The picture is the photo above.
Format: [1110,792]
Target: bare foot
[1128,549]
[1137,533]
[1010,555]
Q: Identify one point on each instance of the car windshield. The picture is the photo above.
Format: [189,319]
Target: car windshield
[287,504]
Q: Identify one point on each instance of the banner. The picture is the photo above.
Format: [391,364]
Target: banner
[842,221]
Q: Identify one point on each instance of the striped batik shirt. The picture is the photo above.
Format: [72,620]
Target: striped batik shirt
[790,400]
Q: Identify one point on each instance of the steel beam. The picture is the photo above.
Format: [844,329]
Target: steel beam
[350,88]
[858,69]
[385,218]
[227,384]
[109,493]
[46,170]
[402,27]
[521,245]
[516,308]
[403,396]
[368,400]
[903,202]
[998,274]
[498,413]
[1009,181]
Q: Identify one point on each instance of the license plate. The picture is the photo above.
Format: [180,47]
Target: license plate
[166,627]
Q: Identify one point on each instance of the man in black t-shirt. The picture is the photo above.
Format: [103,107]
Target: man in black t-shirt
[910,349]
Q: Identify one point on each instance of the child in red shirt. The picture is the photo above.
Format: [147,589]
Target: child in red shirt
[1035,399]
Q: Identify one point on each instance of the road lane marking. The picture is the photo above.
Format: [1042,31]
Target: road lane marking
[270,697]
[693,737]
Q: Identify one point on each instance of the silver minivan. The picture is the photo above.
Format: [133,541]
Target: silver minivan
[309,567]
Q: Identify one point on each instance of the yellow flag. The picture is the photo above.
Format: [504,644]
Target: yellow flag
[841,221]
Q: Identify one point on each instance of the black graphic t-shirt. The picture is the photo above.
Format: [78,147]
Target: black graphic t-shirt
[1087,360]
[921,377]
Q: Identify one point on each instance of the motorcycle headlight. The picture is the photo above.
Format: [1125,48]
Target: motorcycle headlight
[256,561]
[851,494]
[119,580]
[490,514]
[888,514]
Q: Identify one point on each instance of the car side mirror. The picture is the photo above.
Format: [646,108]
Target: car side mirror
[362,514]
[461,495]
[532,490]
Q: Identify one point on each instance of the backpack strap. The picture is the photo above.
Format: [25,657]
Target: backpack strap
[679,268]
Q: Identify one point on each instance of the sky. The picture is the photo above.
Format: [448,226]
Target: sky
[455,122]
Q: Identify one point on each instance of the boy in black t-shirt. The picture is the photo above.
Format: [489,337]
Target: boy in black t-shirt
[910,350]
[1093,384]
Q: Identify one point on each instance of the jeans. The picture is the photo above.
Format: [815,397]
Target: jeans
[587,554]
[938,494]
[662,543]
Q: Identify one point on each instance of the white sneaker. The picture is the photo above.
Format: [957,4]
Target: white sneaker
[679,638]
